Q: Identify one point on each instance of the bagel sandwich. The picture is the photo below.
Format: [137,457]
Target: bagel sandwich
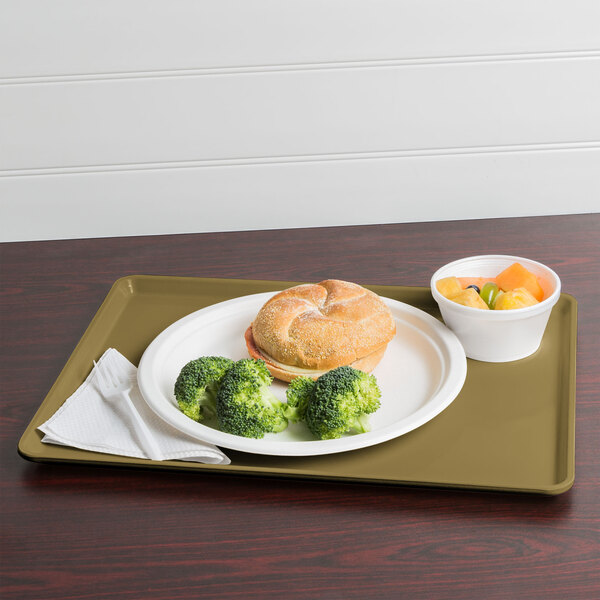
[309,329]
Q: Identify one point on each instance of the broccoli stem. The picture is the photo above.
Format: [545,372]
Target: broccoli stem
[206,401]
[270,401]
[292,413]
[361,424]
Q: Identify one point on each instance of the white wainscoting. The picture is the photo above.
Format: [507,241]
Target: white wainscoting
[146,117]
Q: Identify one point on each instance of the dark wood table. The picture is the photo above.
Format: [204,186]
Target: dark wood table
[88,532]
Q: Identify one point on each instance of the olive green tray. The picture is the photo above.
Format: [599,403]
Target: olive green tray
[511,428]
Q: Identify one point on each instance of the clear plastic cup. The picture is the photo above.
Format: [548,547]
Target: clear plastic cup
[497,335]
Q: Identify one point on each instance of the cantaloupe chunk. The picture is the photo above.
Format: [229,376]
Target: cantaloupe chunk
[517,276]
[449,287]
[470,297]
[478,281]
[517,298]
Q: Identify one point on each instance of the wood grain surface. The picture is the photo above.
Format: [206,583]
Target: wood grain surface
[94,533]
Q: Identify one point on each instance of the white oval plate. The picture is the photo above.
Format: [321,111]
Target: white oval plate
[421,373]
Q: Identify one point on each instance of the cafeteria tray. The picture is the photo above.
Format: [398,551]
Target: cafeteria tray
[511,428]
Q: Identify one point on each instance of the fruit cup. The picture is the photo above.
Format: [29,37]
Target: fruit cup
[497,335]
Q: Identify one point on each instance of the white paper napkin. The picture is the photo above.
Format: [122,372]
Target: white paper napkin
[87,421]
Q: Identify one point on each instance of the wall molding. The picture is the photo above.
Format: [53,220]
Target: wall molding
[337,157]
[293,67]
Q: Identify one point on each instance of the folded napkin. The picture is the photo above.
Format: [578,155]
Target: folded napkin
[87,421]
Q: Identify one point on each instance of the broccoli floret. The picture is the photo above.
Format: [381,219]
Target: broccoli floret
[298,395]
[245,404]
[197,384]
[342,400]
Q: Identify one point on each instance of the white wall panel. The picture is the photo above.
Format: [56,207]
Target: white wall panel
[300,113]
[336,192]
[364,111]
[84,37]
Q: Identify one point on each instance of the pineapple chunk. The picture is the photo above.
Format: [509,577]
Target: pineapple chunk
[449,287]
[470,297]
[517,298]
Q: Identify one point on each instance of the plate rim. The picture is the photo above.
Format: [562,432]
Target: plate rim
[263,446]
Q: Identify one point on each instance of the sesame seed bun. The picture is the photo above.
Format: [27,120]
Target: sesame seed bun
[310,329]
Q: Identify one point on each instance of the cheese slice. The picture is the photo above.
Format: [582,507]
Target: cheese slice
[290,368]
